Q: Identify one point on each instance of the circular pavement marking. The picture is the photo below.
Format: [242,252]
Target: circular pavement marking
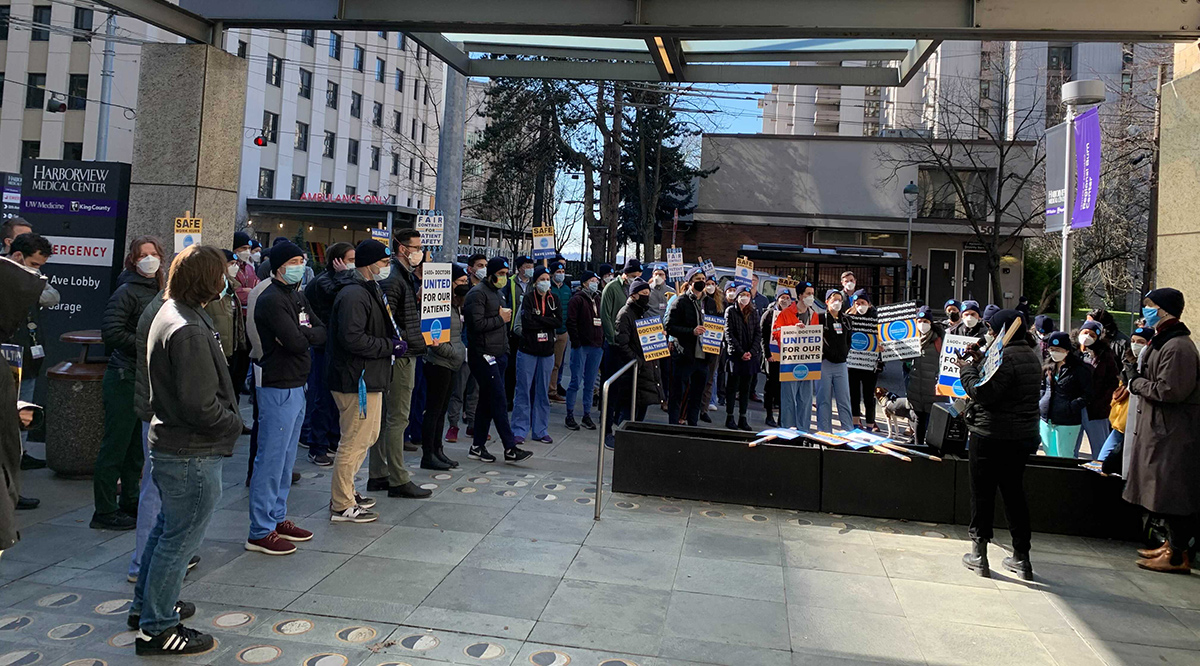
[420,642]
[554,486]
[357,634]
[626,505]
[516,484]
[584,500]
[669,509]
[429,486]
[87,662]
[802,522]
[20,658]
[123,640]
[492,472]
[58,600]
[231,620]
[712,513]
[259,654]
[484,650]
[113,607]
[443,477]
[756,518]
[549,658]
[546,497]
[70,631]
[292,627]
[934,534]
[507,493]
[311,475]
[14,622]
[479,479]
[327,659]
[617,662]
[466,490]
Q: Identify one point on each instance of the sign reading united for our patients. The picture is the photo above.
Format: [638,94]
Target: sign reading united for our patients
[744,273]
[436,286]
[949,383]
[430,224]
[899,338]
[543,243]
[187,231]
[652,338]
[714,334]
[800,353]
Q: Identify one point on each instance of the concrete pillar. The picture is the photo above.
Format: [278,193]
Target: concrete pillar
[1179,191]
[187,148]
[450,161]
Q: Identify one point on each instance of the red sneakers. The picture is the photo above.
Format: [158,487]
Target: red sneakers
[452,434]
[270,545]
[288,530]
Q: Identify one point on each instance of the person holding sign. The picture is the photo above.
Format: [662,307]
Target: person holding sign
[861,317]
[971,323]
[442,363]
[771,393]
[535,359]
[627,347]
[923,380]
[660,292]
[562,339]
[834,383]
[685,323]
[743,348]
[796,398]
[587,346]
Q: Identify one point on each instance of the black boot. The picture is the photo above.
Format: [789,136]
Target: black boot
[771,422]
[441,455]
[730,423]
[429,459]
[743,424]
[976,560]
[1019,564]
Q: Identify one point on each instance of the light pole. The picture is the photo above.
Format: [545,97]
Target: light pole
[1074,95]
[910,197]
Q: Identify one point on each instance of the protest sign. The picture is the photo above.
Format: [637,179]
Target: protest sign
[652,338]
[948,381]
[675,269]
[710,271]
[800,353]
[714,334]
[864,343]
[899,338]
[381,235]
[543,243]
[431,225]
[786,283]
[993,356]
[11,354]
[187,231]
[744,273]
[436,286]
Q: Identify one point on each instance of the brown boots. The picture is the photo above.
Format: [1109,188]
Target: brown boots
[1159,559]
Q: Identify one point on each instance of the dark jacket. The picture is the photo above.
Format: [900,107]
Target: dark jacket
[287,327]
[582,313]
[743,334]
[450,354]
[191,394]
[401,289]
[359,337]
[141,379]
[539,319]
[1006,407]
[922,380]
[765,325]
[320,292]
[1065,391]
[683,316]
[628,346]
[1164,471]
[562,292]
[229,320]
[835,346]
[119,325]
[1105,378]
[487,333]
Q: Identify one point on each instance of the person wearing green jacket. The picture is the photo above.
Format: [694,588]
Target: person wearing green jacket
[612,299]
[562,291]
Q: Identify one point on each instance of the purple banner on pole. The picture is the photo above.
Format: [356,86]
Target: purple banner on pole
[1087,167]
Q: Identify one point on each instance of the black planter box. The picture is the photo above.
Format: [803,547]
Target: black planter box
[863,483]
[715,465]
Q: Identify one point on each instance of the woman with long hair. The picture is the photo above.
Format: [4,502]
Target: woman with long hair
[743,347]
[120,455]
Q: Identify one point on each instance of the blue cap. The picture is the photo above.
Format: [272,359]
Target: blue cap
[1059,340]
[971,305]
[954,303]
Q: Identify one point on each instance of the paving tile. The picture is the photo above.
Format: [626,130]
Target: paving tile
[297,572]
[607,606]
[349,538]
[595,637]
[734,518]
[938,602]
[1189,618]
[805,529]
[1127,623]
[456,517]
[716,619]
[1176,591]
[12,569]
[351,607]
[454,647]
[632,535]
[1070,650]
[544,526]
[853,635]
[833,556]
[801,658]
[726,654]
[238,595]
[612,565]
[841,591]
[484,624]
[544,558]
[120,547]
[319,629]
[1086,583]
[1127,654]
[493,592]
[382,579]
[537,654]
[730,579]
[240,650]
[54,575]
[47,544]
[739,547]
[423,545]
[1037,611]
[952,643]
[930,567]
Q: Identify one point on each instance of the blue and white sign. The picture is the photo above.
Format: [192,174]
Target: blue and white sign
[743,274]
[800,351]
[543,243]
[436,286]
[675,270]
[948,382]
[899,338]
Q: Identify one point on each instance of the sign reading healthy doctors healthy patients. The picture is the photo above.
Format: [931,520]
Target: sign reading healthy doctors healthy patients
[744,273]
[381,235]
[714,334]
[436,287]
[543,243]
[948,382]
[652,338]
[675,269]
[1087,167]
[800,353]
[898,335]
[187,231]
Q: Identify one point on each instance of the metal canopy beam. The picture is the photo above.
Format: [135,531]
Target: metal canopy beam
[167,16]
[792,56]
[916,57]
[622,71]
[439,46]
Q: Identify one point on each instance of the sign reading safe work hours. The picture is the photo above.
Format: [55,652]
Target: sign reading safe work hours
[743,275]
[543,243]
[436,287]
[187,231]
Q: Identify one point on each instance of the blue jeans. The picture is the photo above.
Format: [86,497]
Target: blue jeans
[280,417]
[533,377]
[493,401]
[190,488]
[1116,439]
[320,412]
[1097,433]
[795,405]
[149,504]
[834,384]
[585,365]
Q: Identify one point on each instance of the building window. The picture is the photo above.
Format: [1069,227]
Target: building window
[31,150]
[373,193]
[77,87]
[274,70]
[5,13]
[412,167]
[416,90]
[379,65]
[297,186]
[426,57]
[243,48]
[270,127]
[985,90]
[374,158]
[870,129]
[358,58]
[985,118]
[424,130]
[326,187]
[72,151]
[377,114]
[335,46]
[306,83]
[308,37]
[397,121]
[1126,82]
[301,142]
[872,91]
[395,164]
[351,190]
[35,91]
[418,58]
[985,60]
[355,104]
[266,183]
[352,151]
[399,81]
[1,88]
[383,34]
[331,94]
[870,109]
[1059,58]
[330,144]
[413,133]
[400,41]
[83,23]
[41,16]
[421,172]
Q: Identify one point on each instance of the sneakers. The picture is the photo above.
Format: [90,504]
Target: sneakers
[179,640]
[518,440]
[355,514]
[303,445]
[516,455]
[113,521]
[712,407]
[771,422]
[570,422]
[586,422]
[364,502]
[557,397]
[320,459]
[289,531]
[411,446]
[29,503]
[271,544]
[705,417]
[376,485]
[480,453]
[409,490]
[452,434]
[184,609]
[193,562]
[545,439]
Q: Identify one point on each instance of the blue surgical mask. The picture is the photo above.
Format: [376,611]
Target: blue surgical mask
[293,274]
[527,273]
[559,277]
[591,286]
[543,286]
[1151,316]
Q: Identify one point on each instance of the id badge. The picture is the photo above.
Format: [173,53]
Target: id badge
[543,337]
[837,328]
[37,351]
[596,321]
[304,318]
[490,359]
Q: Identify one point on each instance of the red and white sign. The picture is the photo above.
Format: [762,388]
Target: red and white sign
[81,251]
[343,198]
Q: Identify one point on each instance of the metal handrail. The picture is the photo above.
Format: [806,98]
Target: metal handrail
[604,424]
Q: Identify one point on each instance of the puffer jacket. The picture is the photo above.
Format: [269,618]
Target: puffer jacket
[449,354]
[922,381]
[1006,407]
[563,293]
[1065,391]
[1105,379]
[487,333]
[628,347]
[118,328]
[743,334]
[320,292]
[401,289]
[141,378]
[359,337]
[539,319]
[684,314]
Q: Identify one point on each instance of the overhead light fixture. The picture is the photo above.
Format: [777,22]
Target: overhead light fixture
[345,227]
[662,51]
[310,227]
[281,225]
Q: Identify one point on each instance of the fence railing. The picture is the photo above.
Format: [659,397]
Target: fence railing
[604,425]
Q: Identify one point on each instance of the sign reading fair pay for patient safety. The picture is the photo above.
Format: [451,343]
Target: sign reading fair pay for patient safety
[436,287]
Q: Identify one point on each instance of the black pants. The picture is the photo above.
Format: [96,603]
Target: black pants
[1180,532]
[687,388]
[922,426]
[737,389]
[771,391]
[862,389]
[239,365]
[999,464]
[439,382]
[490,409]
[510,371]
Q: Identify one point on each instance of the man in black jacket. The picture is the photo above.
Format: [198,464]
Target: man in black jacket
[1003,421]
[287,328]
[401,290]
[487,322]
[323,413]
[685,323]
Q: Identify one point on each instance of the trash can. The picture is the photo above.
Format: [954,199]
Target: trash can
[75,409]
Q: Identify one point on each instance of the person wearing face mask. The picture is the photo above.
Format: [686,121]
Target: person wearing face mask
[660,291]
[120,455]
[628,347]
[465,394]
[1164,471]
[796,398]
[320,292]
[953,314]
[514,294]
[834,383]
[287,328]
[685,323]
[766,323]
[728,298]
[861,316]
[990,311]
[743,344]
[605,273]
[1119,415]
[922,381]
[1110,333]
[246,277]
[849,286]
[476,268]
[1043,326]
[613,296]
[442,363]
[1066,389]
[971,322]
[587,347]
[1105,379]
[562,339]
[708,401]
[535,359]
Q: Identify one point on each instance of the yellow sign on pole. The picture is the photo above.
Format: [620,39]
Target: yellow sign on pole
[187,231]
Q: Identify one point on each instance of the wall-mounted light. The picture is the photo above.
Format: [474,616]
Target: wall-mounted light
[310,227]
[249,222]
[281,225]
[345,227]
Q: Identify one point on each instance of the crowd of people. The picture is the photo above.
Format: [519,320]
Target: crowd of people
[334,362]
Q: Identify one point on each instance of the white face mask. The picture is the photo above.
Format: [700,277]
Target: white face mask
[1057,355]
[970,320]
[244,255]
[808,301]
[480,273]
[543,286]
[730,295]
[256,256]
[232,270]
[862,308]
[849,285]
[989,336]
[1086,340]
[835,306]
[924,327]
[1137,347]
[148,265]
[415,257]
[657,281]
[710,289]
[785,303]
[383,274]
[744,300]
